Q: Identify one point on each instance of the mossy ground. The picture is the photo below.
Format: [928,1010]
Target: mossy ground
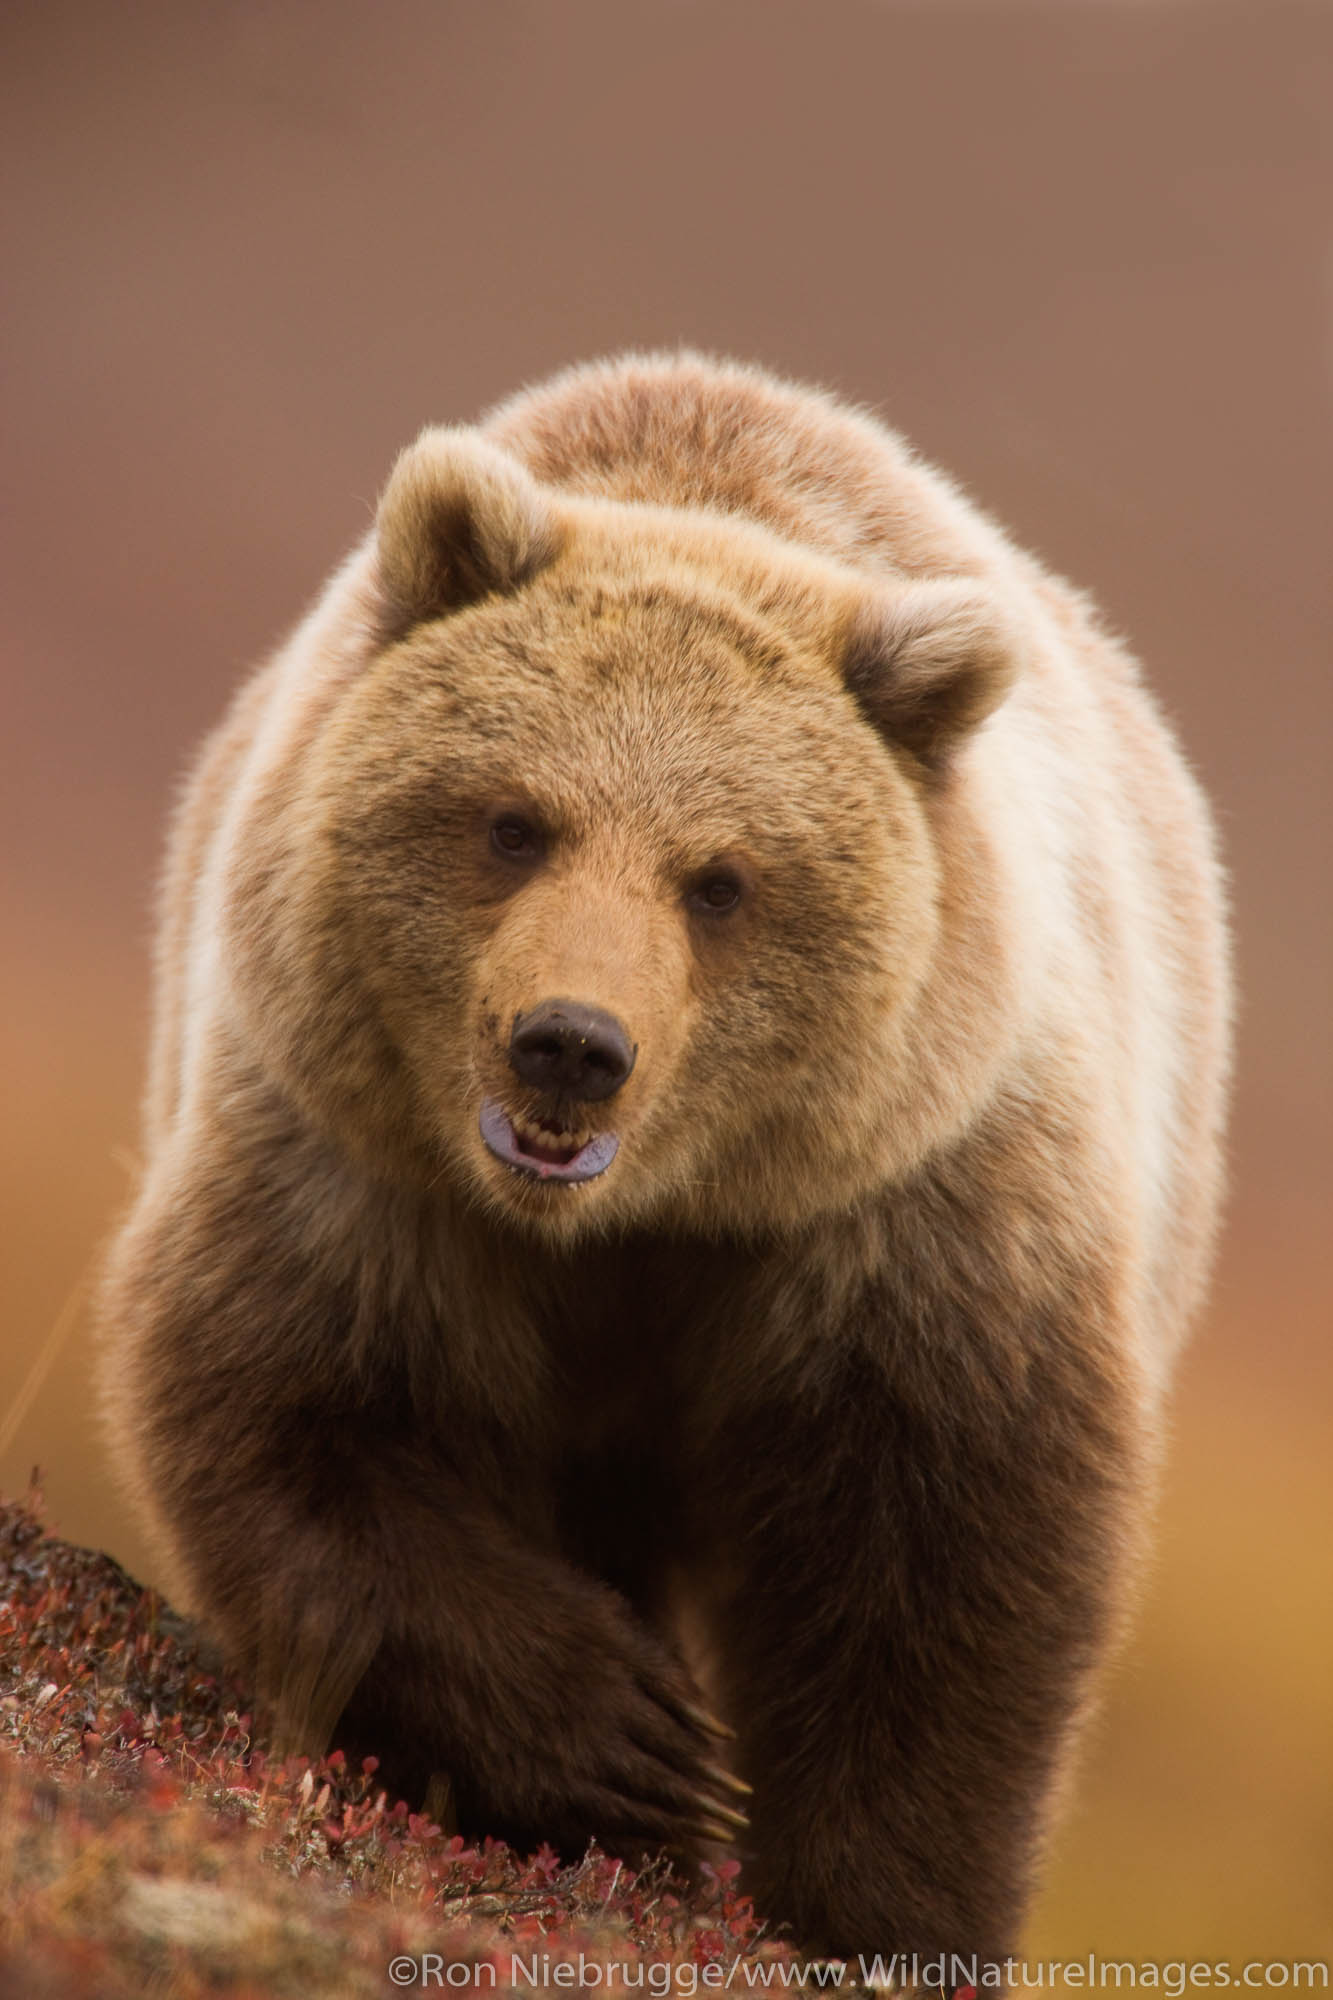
[150,1847]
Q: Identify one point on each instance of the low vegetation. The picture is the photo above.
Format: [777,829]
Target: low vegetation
[150,1847]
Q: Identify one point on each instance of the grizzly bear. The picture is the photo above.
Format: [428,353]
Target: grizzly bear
[683,1138]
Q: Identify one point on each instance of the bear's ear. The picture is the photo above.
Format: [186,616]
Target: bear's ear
[930,661]
[458,520]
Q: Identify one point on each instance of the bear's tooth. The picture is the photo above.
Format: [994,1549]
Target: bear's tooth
[533,1130]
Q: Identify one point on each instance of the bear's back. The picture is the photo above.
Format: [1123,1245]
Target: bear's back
[684,431]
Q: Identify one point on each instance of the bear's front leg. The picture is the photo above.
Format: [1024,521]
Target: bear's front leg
[927,1544]
[390,1578]
[389,1607]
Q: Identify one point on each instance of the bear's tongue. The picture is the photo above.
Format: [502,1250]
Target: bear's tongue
[550,1147]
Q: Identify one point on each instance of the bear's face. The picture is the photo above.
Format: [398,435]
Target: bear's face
[633,901]
[626,881]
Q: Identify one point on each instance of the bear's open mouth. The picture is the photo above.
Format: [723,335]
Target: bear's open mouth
[547,1155]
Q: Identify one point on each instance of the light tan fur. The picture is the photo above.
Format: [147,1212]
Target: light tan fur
[961,1049]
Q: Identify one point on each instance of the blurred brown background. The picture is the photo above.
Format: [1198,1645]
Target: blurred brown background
[1080,253]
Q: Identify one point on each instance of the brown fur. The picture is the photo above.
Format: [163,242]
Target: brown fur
[858,1346]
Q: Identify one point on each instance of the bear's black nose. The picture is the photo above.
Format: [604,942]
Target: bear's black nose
[561,1045]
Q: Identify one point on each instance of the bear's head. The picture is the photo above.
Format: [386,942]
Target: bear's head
[605,887]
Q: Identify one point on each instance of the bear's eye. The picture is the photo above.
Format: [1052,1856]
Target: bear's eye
[716,892]
[515,838]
